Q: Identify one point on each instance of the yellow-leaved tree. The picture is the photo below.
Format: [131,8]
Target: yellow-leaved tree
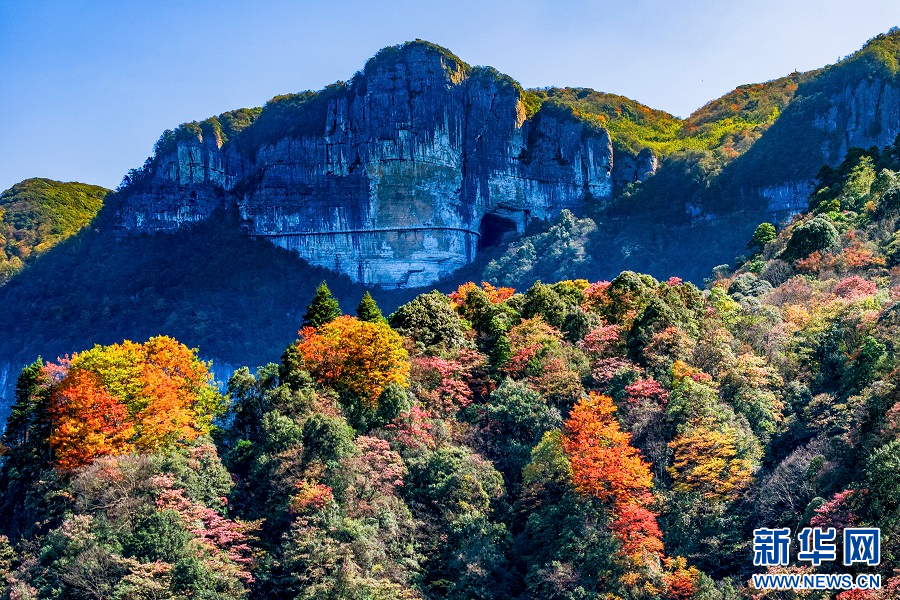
[355,356]
[706,462]
[123,397]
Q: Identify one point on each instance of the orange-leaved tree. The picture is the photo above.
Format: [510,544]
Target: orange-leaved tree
[129,396]
[87,420]
[637,529]
[178,402]
[606,467]
[496,295]
[355,356]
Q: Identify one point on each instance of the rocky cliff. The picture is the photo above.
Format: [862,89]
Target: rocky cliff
[863,114]
[853,103]
[826,123]
[400,175]
[394,178]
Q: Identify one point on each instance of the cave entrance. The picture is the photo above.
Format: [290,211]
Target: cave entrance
[495,230]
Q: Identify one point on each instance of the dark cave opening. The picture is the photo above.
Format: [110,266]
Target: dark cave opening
[494,231]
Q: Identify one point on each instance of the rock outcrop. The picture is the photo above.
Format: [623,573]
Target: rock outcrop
[393,179]
[631,169]
[398,177]
[854,103]
[861,115]
[858,114]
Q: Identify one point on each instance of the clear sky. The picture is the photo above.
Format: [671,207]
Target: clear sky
[86,88]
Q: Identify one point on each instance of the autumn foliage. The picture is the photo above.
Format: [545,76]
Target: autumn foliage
[681,579]
[495,294]
[603,464]
[529,342]
[116,399]
[706,461]
[494,445]
[355,356]
[89,421]
[606,467]
[222,543]
[636,528]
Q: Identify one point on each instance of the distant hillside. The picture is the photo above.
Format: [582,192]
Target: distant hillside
[731,122]
[615,440]
[855,102]
[632,125]
[239,299]
[37,214]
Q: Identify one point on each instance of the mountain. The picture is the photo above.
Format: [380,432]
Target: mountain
[608,435]
[401,176]
[425,171]
[394,178]
[748,157]
[37,214]
[624,439]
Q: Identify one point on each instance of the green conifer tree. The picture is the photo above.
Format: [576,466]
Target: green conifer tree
[323,308]
[368,310]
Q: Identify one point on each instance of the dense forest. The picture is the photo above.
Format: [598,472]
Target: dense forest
[572,440]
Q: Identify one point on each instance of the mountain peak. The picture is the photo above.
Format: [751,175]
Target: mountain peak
[412,52]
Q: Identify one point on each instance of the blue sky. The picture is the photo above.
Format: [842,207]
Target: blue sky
[86,88]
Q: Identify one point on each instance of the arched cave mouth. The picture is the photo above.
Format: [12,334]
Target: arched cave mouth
[494,231]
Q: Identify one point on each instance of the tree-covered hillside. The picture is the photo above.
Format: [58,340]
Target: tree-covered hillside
[792,149]
[729,124]
[576,440]
[694,213]
[37,214]
[210,286]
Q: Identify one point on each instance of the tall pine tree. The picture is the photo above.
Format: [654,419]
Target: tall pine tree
[323,308]
[368,310]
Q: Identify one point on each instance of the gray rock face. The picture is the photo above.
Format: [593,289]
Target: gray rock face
[630,169]
[785,201]
[863,115]
[646,164]
[393,179]
[7,392]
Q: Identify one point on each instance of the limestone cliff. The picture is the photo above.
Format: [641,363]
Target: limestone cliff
[863,114]
[394,178]
[853,103]
[398,176]
[819,128]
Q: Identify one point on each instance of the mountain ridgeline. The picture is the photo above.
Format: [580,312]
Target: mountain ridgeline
[392,179]
[585,424]
[36,214]
[422,171]
[398,177]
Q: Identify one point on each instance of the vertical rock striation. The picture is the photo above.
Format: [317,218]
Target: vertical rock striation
[826,121]
[386,179]
[861,115]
